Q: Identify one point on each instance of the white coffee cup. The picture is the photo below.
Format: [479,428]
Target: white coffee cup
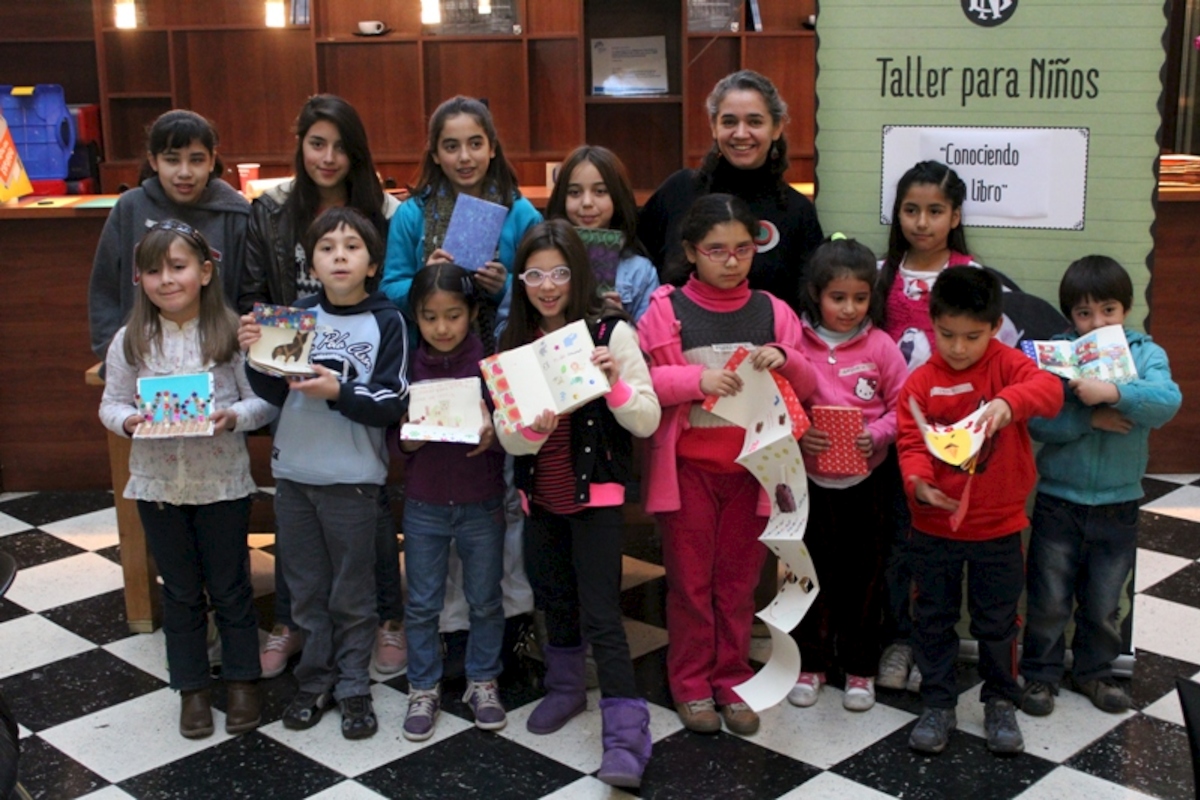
[371,27]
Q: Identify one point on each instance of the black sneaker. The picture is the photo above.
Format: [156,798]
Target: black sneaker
[358,717]
[1000,723]
[1037,699]
[1104,693]
[305,710]
[932,732]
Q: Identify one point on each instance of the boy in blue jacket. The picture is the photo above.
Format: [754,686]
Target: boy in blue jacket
[330,464]
[1085,518]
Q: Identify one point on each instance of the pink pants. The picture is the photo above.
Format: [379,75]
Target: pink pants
[713,558]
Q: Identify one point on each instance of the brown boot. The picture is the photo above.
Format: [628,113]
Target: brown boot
[244,709]
[195,713]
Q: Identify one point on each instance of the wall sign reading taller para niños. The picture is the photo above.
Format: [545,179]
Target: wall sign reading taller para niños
[1075,86]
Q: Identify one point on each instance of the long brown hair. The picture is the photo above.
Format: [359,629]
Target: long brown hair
[363,190]
[217,322]
[582,300]
[500,172]
[616,179]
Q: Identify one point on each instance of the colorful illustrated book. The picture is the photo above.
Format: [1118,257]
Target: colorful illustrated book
[474,231]
[604,253]
[1102,354]
[174,405]
[843,424]
[555,372]
[444,411]
[287,340]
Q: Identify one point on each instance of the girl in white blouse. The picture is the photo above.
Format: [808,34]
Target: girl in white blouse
[193,492]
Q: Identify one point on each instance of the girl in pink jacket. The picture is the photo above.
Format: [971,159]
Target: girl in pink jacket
[712,509]
[852,473]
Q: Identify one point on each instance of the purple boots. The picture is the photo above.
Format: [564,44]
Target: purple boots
[565,694]
[626,736]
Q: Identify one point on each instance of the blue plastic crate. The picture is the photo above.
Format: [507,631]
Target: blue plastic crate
[42,129]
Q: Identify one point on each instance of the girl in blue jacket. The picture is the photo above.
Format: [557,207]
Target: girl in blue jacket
[464,155]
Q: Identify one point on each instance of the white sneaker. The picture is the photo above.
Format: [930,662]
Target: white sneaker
[860,693]
[914,680]
[808,686]
[895,666]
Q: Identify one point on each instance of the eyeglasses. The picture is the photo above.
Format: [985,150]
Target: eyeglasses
[721,254]
[536,277]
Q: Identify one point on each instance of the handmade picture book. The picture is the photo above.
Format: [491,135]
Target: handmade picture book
[843,424]
[174,405]
[1102,354]
[444,411]
[555,372]
[957,444]
[474,231]
[604,254]
[287,340]
[770,412]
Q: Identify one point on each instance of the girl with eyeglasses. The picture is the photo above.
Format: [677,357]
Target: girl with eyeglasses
[572,469]
[711,508]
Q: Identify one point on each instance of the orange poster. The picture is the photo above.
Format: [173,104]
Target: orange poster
[13,180]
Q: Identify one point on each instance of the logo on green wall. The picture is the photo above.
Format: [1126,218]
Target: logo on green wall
[989,13]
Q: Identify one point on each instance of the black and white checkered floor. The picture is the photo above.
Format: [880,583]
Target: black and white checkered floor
[98,721]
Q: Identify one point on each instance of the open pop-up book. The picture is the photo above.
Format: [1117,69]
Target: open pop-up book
[174,405]
[287,340]
[1102,354]
[957,444]
[444,411]
[555,372]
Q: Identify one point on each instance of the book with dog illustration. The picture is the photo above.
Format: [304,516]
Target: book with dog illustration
[174,405]
[1102,354]
[474,231]
[287,339]
[444,411]
[555,372]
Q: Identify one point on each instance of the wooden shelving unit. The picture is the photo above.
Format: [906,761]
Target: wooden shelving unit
[219,58]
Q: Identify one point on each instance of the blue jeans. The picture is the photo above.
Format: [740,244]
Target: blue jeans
[327,538]
[1077,554]
[201,549]
[477,531]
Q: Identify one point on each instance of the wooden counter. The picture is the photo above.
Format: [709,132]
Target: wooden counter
[50,434]
[1175,323]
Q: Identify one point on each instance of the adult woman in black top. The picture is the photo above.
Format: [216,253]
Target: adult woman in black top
[748,159]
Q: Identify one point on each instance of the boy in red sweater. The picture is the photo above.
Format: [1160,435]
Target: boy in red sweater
[970,370]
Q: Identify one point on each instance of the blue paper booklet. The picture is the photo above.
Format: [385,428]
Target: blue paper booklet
[474,231]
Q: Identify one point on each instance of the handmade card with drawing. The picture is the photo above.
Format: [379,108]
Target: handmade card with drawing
[174,405]
[474,231]
[555,372]
[444,411]
[287,339]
